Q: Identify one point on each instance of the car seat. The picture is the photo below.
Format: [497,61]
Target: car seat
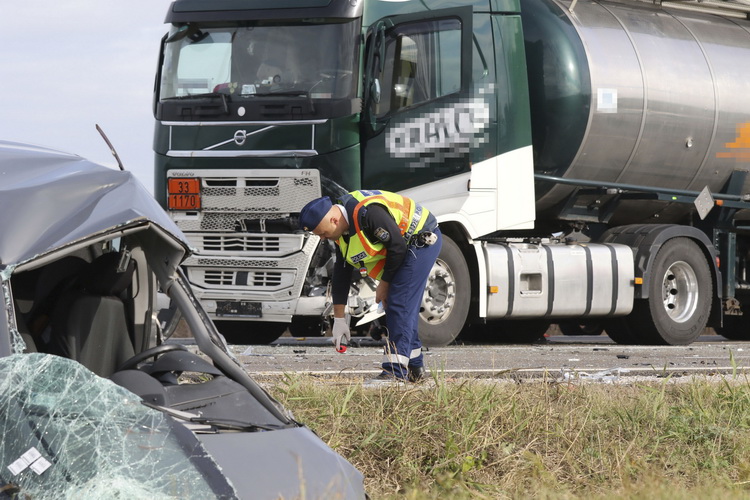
[90,324]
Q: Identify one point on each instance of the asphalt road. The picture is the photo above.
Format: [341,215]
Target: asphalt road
[557,357]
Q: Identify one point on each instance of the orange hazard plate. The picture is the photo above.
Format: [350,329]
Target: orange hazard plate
[184,194]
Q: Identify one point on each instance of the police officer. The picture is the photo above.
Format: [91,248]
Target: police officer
[390,238]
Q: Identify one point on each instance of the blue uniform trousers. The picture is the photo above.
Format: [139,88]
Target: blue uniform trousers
[403,348]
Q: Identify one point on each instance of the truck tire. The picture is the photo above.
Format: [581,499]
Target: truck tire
[680,290]
[735,327]
[250,332]
[445,304]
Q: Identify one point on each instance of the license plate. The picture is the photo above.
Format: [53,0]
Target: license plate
[239,308]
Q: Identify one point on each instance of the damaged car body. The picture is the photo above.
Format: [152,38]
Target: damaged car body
[94,399]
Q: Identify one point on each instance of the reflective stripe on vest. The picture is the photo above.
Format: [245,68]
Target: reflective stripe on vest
[360,251]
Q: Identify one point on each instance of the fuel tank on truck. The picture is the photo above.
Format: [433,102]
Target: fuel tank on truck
[628,92]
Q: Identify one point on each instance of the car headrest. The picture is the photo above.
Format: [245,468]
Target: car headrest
[102,276]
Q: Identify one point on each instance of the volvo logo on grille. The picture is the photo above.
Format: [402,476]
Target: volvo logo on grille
[240,137]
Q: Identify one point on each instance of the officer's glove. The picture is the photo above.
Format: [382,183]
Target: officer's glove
[340,331]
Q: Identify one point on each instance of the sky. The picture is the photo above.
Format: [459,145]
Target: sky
[67,66]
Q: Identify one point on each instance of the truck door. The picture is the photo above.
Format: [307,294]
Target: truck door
[418,121]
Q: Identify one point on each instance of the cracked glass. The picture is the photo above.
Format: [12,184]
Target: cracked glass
[17,344]
[70,434]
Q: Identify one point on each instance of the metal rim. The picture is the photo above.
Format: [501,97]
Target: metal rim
[439,294]
[680,291]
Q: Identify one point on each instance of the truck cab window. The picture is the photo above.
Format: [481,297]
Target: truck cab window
[422,63]
[197,67]
[247,62]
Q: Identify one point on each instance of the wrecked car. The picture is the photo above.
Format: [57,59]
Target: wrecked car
[97,399]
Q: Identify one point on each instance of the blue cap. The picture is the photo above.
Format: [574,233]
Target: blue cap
[313,213]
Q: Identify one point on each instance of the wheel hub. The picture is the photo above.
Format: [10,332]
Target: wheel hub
[680,291]
[439,294]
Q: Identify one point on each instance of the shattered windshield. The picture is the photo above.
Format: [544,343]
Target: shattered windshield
[70,434]
[17,342]
[315,60]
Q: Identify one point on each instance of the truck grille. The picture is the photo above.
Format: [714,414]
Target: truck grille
[229,196]
[228,221]
[225,192]
[260,279]
[240,244]
[237,263]
[246,245]
[245,233]
[259,191]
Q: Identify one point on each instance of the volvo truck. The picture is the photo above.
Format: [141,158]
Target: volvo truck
[586,159]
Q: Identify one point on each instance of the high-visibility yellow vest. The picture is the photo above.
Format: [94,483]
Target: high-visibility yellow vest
[369,256]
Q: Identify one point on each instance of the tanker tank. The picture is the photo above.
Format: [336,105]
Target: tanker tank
[628,92]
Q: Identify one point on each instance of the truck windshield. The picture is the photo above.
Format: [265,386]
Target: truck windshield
[318,61]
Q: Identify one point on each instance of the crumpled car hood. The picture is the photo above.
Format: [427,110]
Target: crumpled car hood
[49,199]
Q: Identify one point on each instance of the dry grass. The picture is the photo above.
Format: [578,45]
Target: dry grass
[473,439]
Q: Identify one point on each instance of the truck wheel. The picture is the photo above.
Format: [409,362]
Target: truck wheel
[250,332]
[736,327]
[445,304]
[679,302]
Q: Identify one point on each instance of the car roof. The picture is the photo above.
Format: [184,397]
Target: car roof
[49,199]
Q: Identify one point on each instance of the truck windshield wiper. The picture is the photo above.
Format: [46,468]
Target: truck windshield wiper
[203,95]
[225,99]
[294,92]
[300,93]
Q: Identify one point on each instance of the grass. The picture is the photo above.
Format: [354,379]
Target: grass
[463,439]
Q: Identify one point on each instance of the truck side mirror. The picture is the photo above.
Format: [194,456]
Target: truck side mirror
[375,60]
